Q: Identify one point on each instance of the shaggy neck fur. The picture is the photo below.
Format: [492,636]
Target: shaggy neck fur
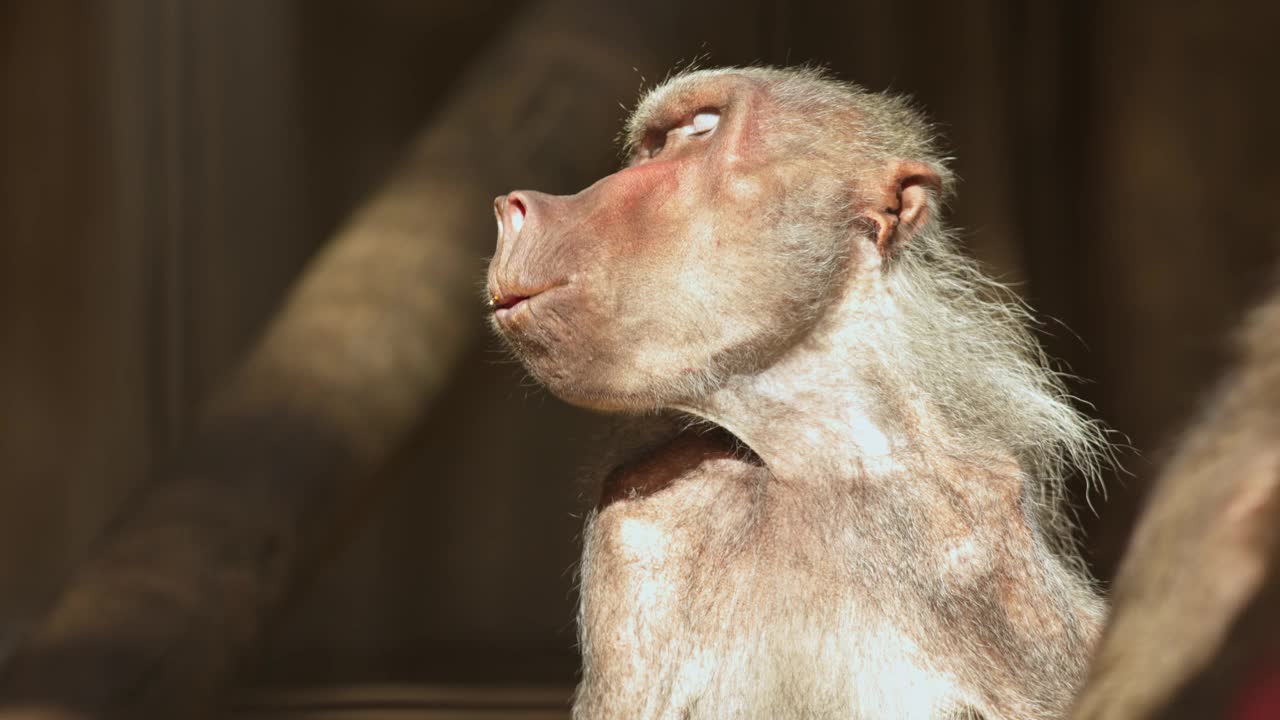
[831,407]
[919,359]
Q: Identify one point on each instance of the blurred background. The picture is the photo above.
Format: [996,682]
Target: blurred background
[168,168]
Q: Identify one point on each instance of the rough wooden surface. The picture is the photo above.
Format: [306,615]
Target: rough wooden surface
[186,579]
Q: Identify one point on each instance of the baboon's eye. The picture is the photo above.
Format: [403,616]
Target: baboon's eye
[704,122]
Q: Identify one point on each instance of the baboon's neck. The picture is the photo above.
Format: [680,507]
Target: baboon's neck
[833,406]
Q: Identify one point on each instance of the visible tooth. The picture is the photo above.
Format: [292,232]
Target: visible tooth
[517,218]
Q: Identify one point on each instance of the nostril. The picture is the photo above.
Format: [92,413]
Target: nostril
[516,210]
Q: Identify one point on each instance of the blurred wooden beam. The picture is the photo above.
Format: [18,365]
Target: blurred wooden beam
[186,580]
[406,702]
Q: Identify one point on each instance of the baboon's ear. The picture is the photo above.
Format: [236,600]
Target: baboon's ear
[902,203]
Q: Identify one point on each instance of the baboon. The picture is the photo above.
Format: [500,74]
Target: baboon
[852,508]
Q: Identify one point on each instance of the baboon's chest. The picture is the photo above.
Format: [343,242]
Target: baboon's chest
[726,592]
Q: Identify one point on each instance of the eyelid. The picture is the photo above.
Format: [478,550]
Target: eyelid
[701,123]
[704,121]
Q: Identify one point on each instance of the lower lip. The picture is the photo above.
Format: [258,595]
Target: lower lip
[503,313]
[524,303]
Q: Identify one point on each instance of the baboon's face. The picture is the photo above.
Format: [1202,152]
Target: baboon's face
[649,285]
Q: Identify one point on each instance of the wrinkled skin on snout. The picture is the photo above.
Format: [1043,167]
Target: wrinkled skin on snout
[653,284]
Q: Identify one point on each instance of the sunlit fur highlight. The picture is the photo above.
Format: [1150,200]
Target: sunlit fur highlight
[963,338]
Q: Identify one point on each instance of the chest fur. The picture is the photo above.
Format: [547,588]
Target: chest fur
[723,594]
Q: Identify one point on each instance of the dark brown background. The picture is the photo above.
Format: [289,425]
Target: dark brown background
[167,166]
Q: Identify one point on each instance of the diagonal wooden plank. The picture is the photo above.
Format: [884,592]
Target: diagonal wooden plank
[186,580]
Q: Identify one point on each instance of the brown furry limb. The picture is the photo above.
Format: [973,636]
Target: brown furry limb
[1194,613]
